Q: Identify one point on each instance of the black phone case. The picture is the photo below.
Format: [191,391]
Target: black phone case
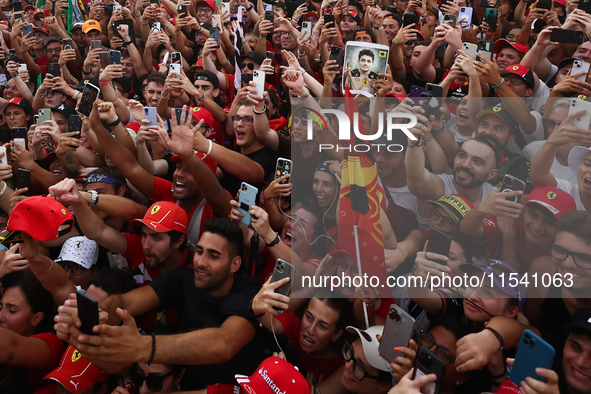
[427,363]
[567,36]
[23,178]
[439,242]
[54,69]
[88,312]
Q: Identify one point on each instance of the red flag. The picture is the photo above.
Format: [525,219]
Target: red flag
[359,204]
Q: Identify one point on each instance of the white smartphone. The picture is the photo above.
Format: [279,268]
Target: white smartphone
[258,77]
[226,7]
[21,142]
[151,113]
[22,67]
[306,30]
[155,26]
[577,105]
[174,68]
[470,49]
[216,21]
[116,9]
[3,159]
[579,66]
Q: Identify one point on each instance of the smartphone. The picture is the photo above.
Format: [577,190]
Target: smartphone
[19,15]
[216,21]
[114,57]
[283,168]
[151,113]
[532,352]
[214,33]
[89,96]
[28,28]
[179,115]
[328,19]
[491,18]
[182,9]
[283,270]
[585,5]
[17,6]
[577,105]
[416,93]
[427,362]
[307,30]
[67,43]
[270,55]
[44,115]
[174,68]
[23,179]
[23,67]
[470,49]
[225,7]
[580,66]
[270,16]
[432,95]
[245,79]
[116,8]
[96,44]
[259,81]
[88,312]
[567,36]
[486,49]
[545,4]
[337,53]
[104,59]
[409,19]
[21,142]
[465,18]
[246,198]
[155,3]
[439,242]
[19,132]
[398,330]
[74,124]
[450,19]
[511,183]
[155,27]
[3,159]
[54,69]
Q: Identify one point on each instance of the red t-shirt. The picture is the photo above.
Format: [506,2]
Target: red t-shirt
[291,329]
[35,376]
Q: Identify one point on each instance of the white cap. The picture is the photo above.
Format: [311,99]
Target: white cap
[576,156]
[369,340]
[79,250]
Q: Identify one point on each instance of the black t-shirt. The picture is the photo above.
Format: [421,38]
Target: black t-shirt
[410,77]
[266,157]
[197,310]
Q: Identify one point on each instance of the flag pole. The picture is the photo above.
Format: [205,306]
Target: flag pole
[356,236]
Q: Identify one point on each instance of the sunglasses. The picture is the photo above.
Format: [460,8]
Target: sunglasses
[249,65]
[154,381]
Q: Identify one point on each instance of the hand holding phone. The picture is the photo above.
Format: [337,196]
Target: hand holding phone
[88,312]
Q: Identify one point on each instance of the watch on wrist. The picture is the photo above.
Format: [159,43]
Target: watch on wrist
[274,242]
[94,197]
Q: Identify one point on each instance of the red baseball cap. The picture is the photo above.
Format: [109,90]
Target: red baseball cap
[202,113]
[508,387]
[43,218]
[164,216]
[274,375]
[561,2]
[519,47]
[210,3]
[76,373]
[211,163]
[556,201]
[524,72]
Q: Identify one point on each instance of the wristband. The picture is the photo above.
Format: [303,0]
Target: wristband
[498,376]
[3,189]
[115,123]
[47,270]
[261,112]
[103,83]
[86,73]
[274,242]
[249,8]
[252,312]
[210,147]
[496,334]
[500,83]
[153,350]
[440,131]
[128,43]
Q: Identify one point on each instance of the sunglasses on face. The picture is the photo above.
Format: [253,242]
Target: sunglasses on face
[249,65]
[154,381]
[514,81]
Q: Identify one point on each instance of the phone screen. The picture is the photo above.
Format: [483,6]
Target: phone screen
[429,388]
[89,96]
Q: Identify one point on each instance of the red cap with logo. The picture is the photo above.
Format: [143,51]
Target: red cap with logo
[274,375]
[519,47]
[555,201]
[164,216]
[43,218]
[522,71]
[202,113]
[76,373]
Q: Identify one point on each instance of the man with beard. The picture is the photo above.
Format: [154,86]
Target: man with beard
[361,77]
[474,164]
[221,334]
[498,128]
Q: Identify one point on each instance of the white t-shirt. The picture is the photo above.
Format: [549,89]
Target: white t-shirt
[573,190]
[402,196]
[539,97]
[558,170]
[453,127]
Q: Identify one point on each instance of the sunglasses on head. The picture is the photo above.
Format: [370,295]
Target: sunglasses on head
[249,65]
[154,381]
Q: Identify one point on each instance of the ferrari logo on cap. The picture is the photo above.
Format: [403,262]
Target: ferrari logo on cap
[76,356]
[195,109]
[551,195]
[78,245]
[63,211]
[496,109]
[155,209]
[515,68]
[86,81]
[11,100]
